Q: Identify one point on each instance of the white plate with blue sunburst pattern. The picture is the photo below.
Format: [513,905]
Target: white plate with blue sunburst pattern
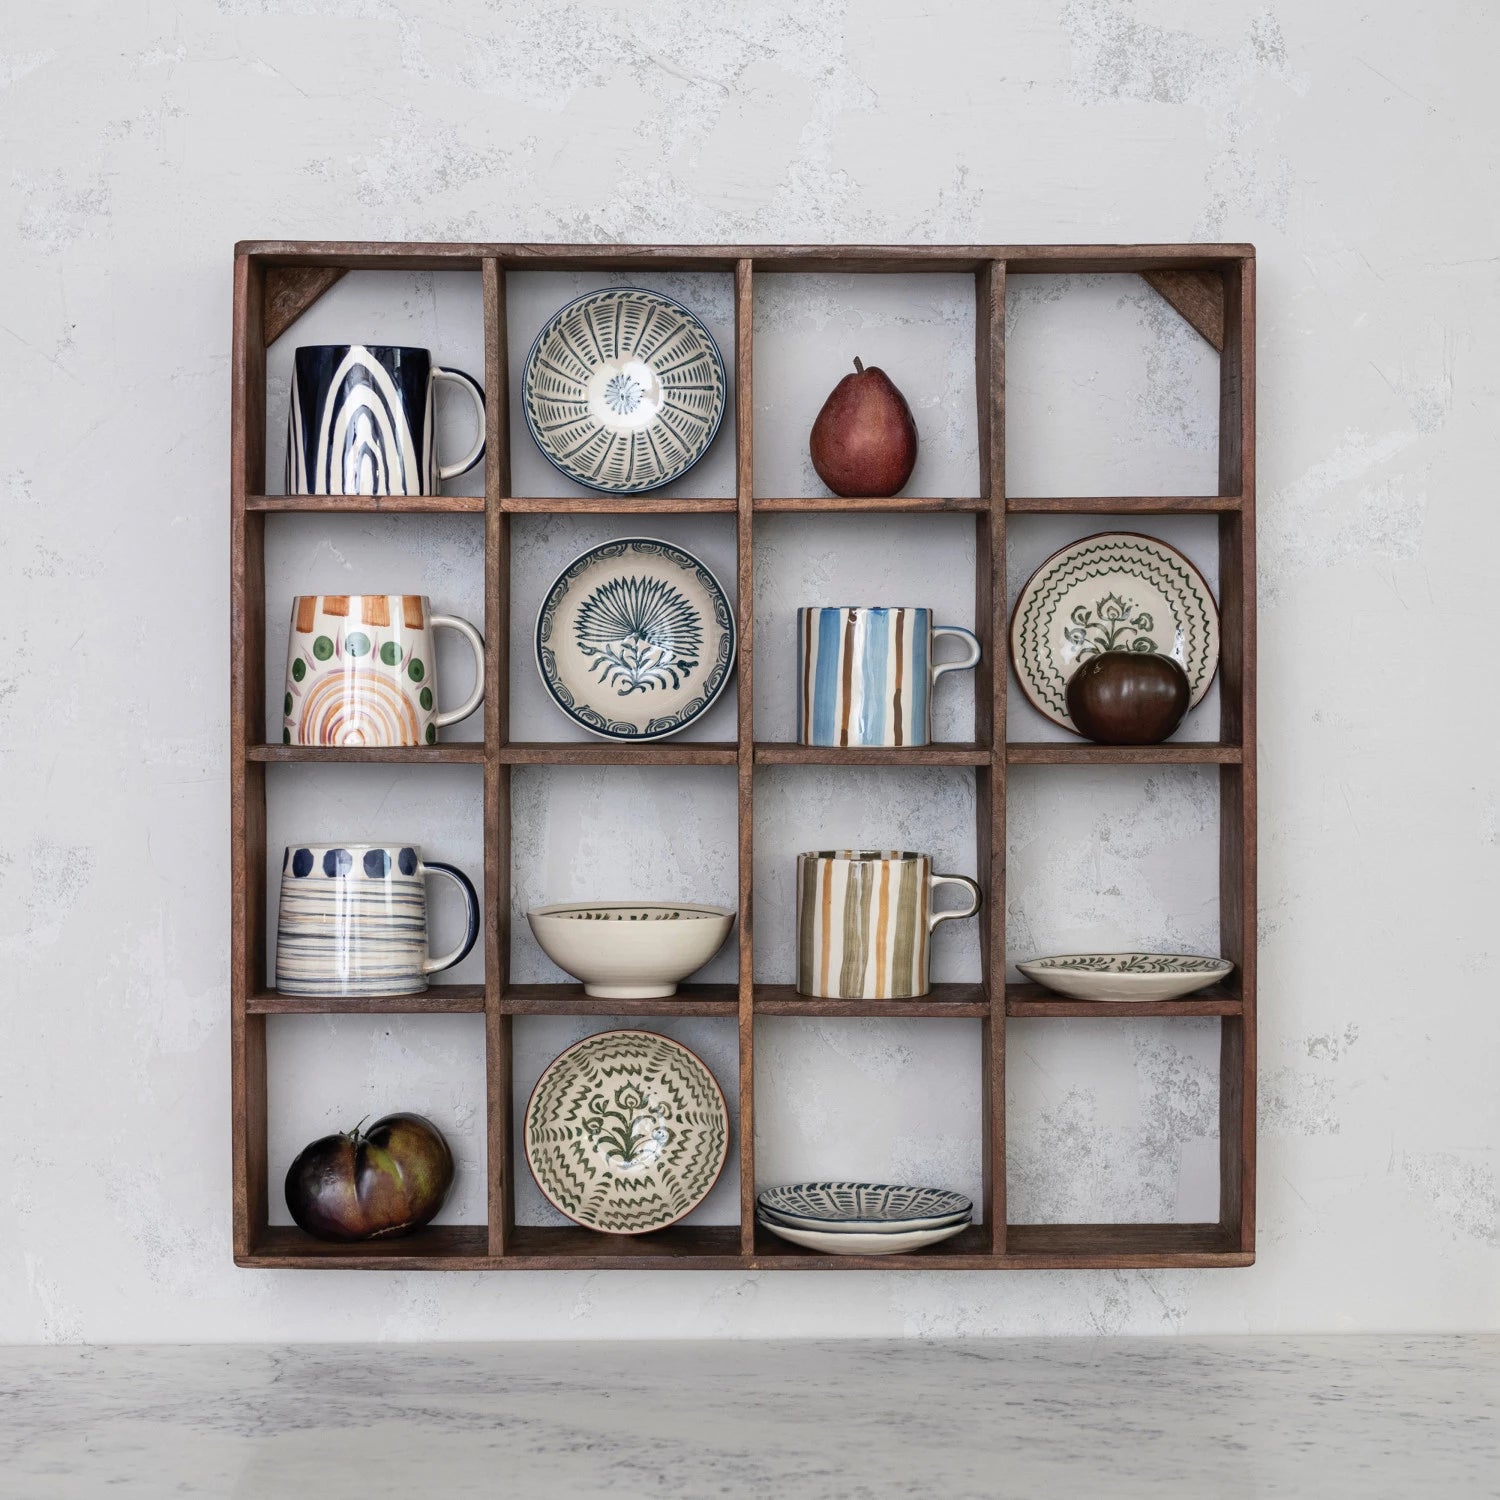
[623,390]
[635,639]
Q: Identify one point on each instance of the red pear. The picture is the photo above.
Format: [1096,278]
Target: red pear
[864,441]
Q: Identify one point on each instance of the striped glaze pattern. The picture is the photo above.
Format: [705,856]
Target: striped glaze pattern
[353,920]
[361,421]
[865,674]
[865,920]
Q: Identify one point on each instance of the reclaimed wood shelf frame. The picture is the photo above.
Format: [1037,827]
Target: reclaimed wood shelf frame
[1213,287]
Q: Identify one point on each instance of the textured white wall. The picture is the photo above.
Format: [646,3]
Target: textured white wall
[1354,143]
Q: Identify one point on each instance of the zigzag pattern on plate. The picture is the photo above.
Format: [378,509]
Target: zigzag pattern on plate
[1195,615]
[834,1202]
[576,1172]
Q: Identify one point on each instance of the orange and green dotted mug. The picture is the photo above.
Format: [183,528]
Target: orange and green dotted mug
[361,670]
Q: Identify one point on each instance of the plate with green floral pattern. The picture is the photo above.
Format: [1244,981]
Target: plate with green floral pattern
[1117,591]
[635,639]
[1127,976]
[626,1132]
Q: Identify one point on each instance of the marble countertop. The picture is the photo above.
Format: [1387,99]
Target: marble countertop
[1327,1416]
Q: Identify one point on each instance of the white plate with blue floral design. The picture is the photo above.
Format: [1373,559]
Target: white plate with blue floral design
[1117,591]
[1127,976]
[635,639]
[862,1207]
[623,390]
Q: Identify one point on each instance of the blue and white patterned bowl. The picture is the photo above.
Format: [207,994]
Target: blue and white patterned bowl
[635,639]
[623,390]
[862,1207]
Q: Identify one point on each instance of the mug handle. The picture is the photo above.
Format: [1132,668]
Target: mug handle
[971,660]
[444,717]
[948,916]
[471,902]
[476,395]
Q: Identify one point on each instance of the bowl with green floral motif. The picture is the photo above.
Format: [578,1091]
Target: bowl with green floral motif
[1127,976]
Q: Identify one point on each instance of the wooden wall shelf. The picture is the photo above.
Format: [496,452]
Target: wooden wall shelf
[1213,287]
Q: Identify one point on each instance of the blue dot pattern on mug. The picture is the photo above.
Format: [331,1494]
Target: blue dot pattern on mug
[353,921]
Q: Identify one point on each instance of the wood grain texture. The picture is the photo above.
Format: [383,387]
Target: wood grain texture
[744,445]
[570,1000]
[942,1002]
[618,753]
[779,753]
[289,292]
[876,505]
[618,505]
[1197,295]
[1124,505]
[1084,753]
[989,728]
[1036,1000]
[456,753]
[435,1000]
[369,504]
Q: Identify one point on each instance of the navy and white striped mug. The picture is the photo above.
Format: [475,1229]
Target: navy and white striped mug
[353,920]
[361,421]
[866,674]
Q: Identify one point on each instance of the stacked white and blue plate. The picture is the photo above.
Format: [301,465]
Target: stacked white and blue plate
[863,1218]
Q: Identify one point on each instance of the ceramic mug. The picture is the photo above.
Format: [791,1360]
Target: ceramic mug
[353,920]
[864,918]
[865,675]
[361,421]
[361,669]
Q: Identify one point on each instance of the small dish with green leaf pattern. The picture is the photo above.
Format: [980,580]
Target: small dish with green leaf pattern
[1127,976]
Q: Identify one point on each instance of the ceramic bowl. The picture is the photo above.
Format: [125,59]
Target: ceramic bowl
[863,1207]
[623,390]
[626,1132]
[624,950]
[862,1244]
[1116,591]
[1126,976]
[635,639]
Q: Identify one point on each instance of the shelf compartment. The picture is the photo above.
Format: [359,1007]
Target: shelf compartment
[458,505]
[874,504]
[616,753]
[1036,1000]
[571,1247]
[617,505]
[784,753]
[1083,753]
[439,1247]
[1121,505]
[967,1251]
[1121,1246]
[457,753]
[943,1002]
[435,1000]
[570,1000]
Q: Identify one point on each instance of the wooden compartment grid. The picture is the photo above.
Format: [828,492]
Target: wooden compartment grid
[1213,287]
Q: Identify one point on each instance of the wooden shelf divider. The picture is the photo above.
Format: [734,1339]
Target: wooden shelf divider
[274,283]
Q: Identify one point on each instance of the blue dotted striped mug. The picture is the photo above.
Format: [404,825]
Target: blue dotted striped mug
[866,674]
[353,920]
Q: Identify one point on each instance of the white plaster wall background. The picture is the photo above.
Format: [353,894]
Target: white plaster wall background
[1355,144]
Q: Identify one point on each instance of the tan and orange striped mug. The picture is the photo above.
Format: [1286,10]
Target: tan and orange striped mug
[865,922]
[361,670]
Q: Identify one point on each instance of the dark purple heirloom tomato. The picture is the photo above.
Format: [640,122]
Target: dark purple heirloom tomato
[1128,698]
[371,1184]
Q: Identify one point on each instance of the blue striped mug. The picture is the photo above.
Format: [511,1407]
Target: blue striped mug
[353,920]
[866,674]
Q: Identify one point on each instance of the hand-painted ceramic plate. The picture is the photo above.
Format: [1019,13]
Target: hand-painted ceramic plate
[1126,976]
[635,640]
[863,1207]
[1117,591]
[623,390]
[626,1132]
[862,1244]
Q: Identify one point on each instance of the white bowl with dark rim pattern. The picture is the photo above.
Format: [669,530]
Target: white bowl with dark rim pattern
[1127,976]
[623,390]
[630,950]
